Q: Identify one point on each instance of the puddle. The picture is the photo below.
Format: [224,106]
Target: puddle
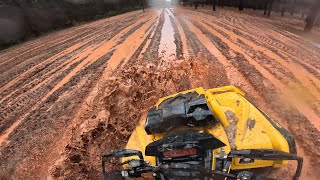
[317,45]
[167,47]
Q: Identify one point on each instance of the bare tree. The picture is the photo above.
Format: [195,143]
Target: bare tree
[292,6]
[283,6]
[240,5]
[312,16]
[214,5]
[265,7]
[143,5]
[270,5]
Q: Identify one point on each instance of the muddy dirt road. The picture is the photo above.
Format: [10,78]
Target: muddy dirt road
[69,96]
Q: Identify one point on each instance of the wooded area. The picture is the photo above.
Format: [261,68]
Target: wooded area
[22,19]
[28,18]
[310,8]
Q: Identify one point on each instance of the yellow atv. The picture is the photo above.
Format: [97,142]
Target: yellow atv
[204,134]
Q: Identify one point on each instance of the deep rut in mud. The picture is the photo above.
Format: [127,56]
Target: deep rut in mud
[69,96]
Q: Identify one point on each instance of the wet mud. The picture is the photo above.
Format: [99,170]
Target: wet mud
[72,95]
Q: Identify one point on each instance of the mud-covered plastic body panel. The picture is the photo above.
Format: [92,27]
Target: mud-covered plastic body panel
[184,109]
[234,121]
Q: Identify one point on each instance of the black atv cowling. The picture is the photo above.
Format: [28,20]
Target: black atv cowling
[183,109]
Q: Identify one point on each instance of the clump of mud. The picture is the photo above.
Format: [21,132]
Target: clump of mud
[118,105]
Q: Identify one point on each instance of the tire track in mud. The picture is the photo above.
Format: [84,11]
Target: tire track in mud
[184,47]
[50,66]
[300,105]
[294,40]
[128,48]
[46,124]
[198,51]
[95,37]
[65,35]
[177,38]
[289,48]
[311,70]
[148,41]
[222,52]
[268,30]
[234,76]
[285,111]
[50,49]
[12,109]
[311,98]
[150,53]
[195,47]
[138,54]
[15,104]
[274,68]
[115,45]
[288,79]
[272,55]
[94,55]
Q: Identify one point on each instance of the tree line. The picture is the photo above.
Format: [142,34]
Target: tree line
[308,8]
[22,19]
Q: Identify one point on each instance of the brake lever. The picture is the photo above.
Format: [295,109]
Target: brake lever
[119,154]
[124,153]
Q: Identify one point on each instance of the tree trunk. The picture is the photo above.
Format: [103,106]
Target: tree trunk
[292,6]
[282,11]
[283,7]
[265,7]
[240,5]
[270,4]
[312,17]
[277,5]
[99,6]
[214,5]
[143,5]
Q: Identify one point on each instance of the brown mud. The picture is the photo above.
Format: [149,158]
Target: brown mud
[70,96]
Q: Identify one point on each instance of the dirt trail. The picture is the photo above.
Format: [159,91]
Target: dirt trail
[69,96]
[305,82]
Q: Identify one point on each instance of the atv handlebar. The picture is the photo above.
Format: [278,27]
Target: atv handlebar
[139,166]
[120,154]
[266,154]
